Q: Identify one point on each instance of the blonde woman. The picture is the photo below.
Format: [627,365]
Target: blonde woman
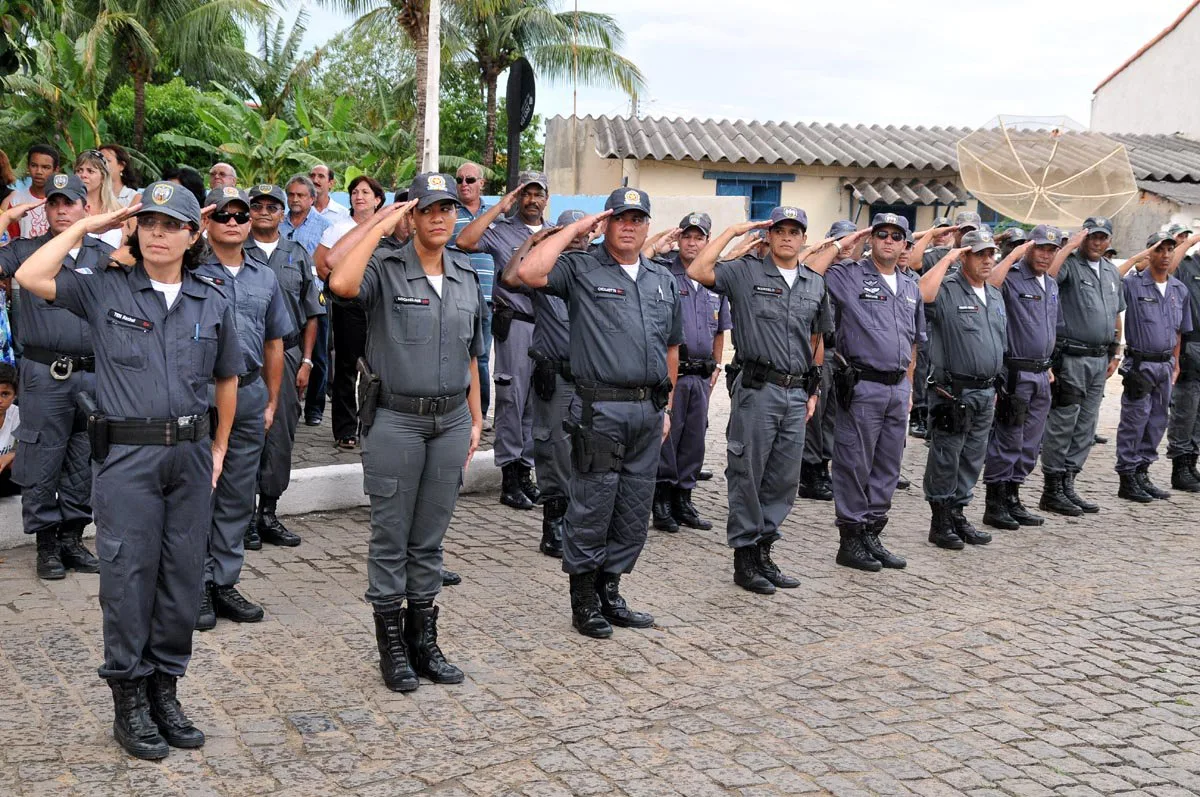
[92,168]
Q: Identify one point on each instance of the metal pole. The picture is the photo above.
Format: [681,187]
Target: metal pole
[429,160]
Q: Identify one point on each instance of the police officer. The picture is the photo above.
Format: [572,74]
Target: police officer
[161,336]
[1183,425]
[782,313]
[1089,326]
[512,328]
[626,327]
[52,465]
[420,412]
[293,269]
[705,319]
[1010,239]
[878,318]
[1031,303]
[1158,314]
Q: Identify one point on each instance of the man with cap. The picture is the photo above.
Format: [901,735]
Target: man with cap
[1010,239]
[1183,425]
[293,269]
[1031,303]
[52,465]
[1088,331]
[512,329]
[782,313]
[626,327]
[705,319]
[815,482]
[879,319]
[1180,233]
[1158,314]
[968,329]
[263,321]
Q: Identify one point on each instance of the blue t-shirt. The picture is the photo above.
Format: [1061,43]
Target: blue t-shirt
[483,264]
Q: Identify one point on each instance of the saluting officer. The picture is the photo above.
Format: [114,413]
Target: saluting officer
[1010,239]
[293,269]
[161,336]
[626,327]
[420,411]
[262,320]
[968,333]
[1031,302]
[1183,425]
[1158,313]
[52,464]
[1089,328]
[705,319]
[782,312]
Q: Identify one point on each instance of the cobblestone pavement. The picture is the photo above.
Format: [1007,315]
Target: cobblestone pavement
[1054,661]
[315,446]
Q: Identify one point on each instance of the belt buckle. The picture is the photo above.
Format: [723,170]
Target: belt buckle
[183,424]
[787,380]
[62,368]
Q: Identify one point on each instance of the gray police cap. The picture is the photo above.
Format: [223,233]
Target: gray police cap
[1045,235]
[979,240]
[67,185]
[569,217]
[1093,224]
[967,219]
[840,229]
[1158,237]
[701,221]
[171,200]
[270,191]
[787,213]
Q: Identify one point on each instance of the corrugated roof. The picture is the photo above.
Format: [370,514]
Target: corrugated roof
[907,192]
[1153,157]
[1182,193]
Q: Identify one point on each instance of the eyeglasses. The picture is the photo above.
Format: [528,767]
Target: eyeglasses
[467,180]
[883,235]
[150,223]
[223,217]
[265,207]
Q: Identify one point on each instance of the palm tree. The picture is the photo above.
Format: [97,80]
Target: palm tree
[558,45]
[282,72]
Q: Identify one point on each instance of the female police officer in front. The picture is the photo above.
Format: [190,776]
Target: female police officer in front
[424,336]
[161,336]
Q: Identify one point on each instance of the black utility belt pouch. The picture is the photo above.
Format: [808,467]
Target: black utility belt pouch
[812,380]
[1065,394]
[1011,410]
[660,395]
[754,374]
[545,379]
[502,320]
[592,452]
[731,374]
[844,381]
[1137,385]
[367,393]
[951,417]
[97,425]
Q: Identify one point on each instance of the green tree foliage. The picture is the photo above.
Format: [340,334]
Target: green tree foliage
[172,107]
[464,130]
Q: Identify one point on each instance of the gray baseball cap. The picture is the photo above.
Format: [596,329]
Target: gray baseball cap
[569,217]
[533,178]
[223,196]
[430,188]
[269,191]
[840,229]
[941,221]
[979,240]
[1044,234]
[1097,224]
[1176,229]
[1158,237]
[701,221]
[67,185]
[890,220]
[787,213]
[171,200]
[967,219]
[624,199]
[1014,235]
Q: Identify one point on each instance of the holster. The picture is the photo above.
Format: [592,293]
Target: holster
[502,320]
[1011,409]
[1189,361]
[592,452]
[1137,385]
[812,380]
[661,395]
[754,374]
[1065,394]
[951,417]
[844,381]
[731,374]
[367,393]
[545,379]
[97,425]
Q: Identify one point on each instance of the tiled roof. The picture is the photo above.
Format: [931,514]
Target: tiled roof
[1182,193]
[907,192]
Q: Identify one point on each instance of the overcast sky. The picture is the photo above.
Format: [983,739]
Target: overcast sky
[860,62]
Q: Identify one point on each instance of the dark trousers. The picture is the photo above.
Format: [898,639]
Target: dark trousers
[318,380]
[349,343]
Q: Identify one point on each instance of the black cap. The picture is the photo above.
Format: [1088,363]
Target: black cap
[1097,224]
[788,213]
[171,200]
[890,219]
[701,221]
[67,185]
[224,195]
[270,191]
[840,229]
[624,199]
[431,187]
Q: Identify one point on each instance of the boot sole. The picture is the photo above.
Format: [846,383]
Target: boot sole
[863,566]
[512,502]
[949,546]
[1063,512]
[403,687]
[1137,499]
[206,626]
[156,754]
[457,679]
[815,496]
[279,543]
[552,553]
[664,527]
[241,619]
[1000,524]
[190,744]
[52,576]
[1031,522]
[768,590]
[697,526]
[623,624]
[597,634]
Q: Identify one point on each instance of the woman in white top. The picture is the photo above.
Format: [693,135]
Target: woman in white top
[125,180]
[92,169]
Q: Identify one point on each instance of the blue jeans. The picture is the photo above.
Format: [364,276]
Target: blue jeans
[314,396]
[485,360]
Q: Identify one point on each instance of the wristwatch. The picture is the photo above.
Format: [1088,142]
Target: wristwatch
[307,361]
[668,411]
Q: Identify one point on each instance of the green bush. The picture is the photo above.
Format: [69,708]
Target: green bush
[170,108]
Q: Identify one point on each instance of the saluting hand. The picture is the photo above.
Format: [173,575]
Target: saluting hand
[958,252]
[748,226]
[17,212]
[104,222]
[590,224]
[386,220]
[508,200]
[667,242]
[1075,240]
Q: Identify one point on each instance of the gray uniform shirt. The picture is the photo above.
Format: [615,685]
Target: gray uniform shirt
[1032,308]
[875,328]
[967,337]
[775,323]
[552,330]
[620,329]
[152,362]
[1189,274]
[293,268]
[41,323]
[259,309]
[1088,303]
[501,240]
[421,344]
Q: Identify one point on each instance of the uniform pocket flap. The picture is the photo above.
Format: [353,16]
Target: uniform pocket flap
[736,447]
[541,433]
[107,548]
[24,434]
[382,486]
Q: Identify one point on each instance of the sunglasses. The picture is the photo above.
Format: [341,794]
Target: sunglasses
[265,207]
[467,180]
[883,235]
[223,217]
[152,223]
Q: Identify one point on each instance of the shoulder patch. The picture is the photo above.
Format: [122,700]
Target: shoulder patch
[83,271]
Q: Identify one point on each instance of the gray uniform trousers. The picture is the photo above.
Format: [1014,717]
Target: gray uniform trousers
[275,466]
[53,463]
[514,397]
[1070,431]
[609,511]
[818,436]
[412,471]
[683,451]
[552,443]
[1012,450]
[233,500]
[1183,426]
[765,444]
[1144,420]
[868,444]
[954,461]
[920,390]
[153,515]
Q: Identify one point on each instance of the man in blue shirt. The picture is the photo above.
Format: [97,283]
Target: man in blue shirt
[304,224]
[470,189]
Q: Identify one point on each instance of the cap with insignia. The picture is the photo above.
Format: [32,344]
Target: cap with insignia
[787,213]
[269,191]
[1014,235]
[1177,229]
[1044,234]
[967,220]
[533,178]
[979,240]
[624,199]
[170,199]
[890,220]
[569,217]
[941,221]
[67,185]
[429,188]
[840,229]
[701,221]
[1100,224]
[223,196]
[1158,237]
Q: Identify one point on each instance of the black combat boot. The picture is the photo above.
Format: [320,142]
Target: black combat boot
[613,606]
[995,511]
[684,511]
[527,484]
[1181,475]
[916,423]
[251,541]
[420,634]
[49,555]
[874,546]
[450,578]
[965,530]
[941,528]
[232,605]
[553,512]
[770,570]
[1142,474]
[747,571]
[585,607]
[1012,500]
[1088,507]
[1191,461]
[270,529]
[1131,489]
[704,475]
[812,486]
[207,619]
[398,674]
[511,493]
[852,552]
[1055,500]
[902,483]
[167,713]
[132,726]
[661,508]
[72,552]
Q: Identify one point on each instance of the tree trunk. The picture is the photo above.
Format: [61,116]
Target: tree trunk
[139,109]
[420,38]
[489,143]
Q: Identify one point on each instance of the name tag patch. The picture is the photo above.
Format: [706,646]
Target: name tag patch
[413,300]
[968,308]
[607,290]
[1031,296]
[217,281]
[133,322]
[1148,299]
[873,297]
[767,290]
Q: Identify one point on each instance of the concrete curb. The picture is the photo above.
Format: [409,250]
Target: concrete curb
[320,489]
